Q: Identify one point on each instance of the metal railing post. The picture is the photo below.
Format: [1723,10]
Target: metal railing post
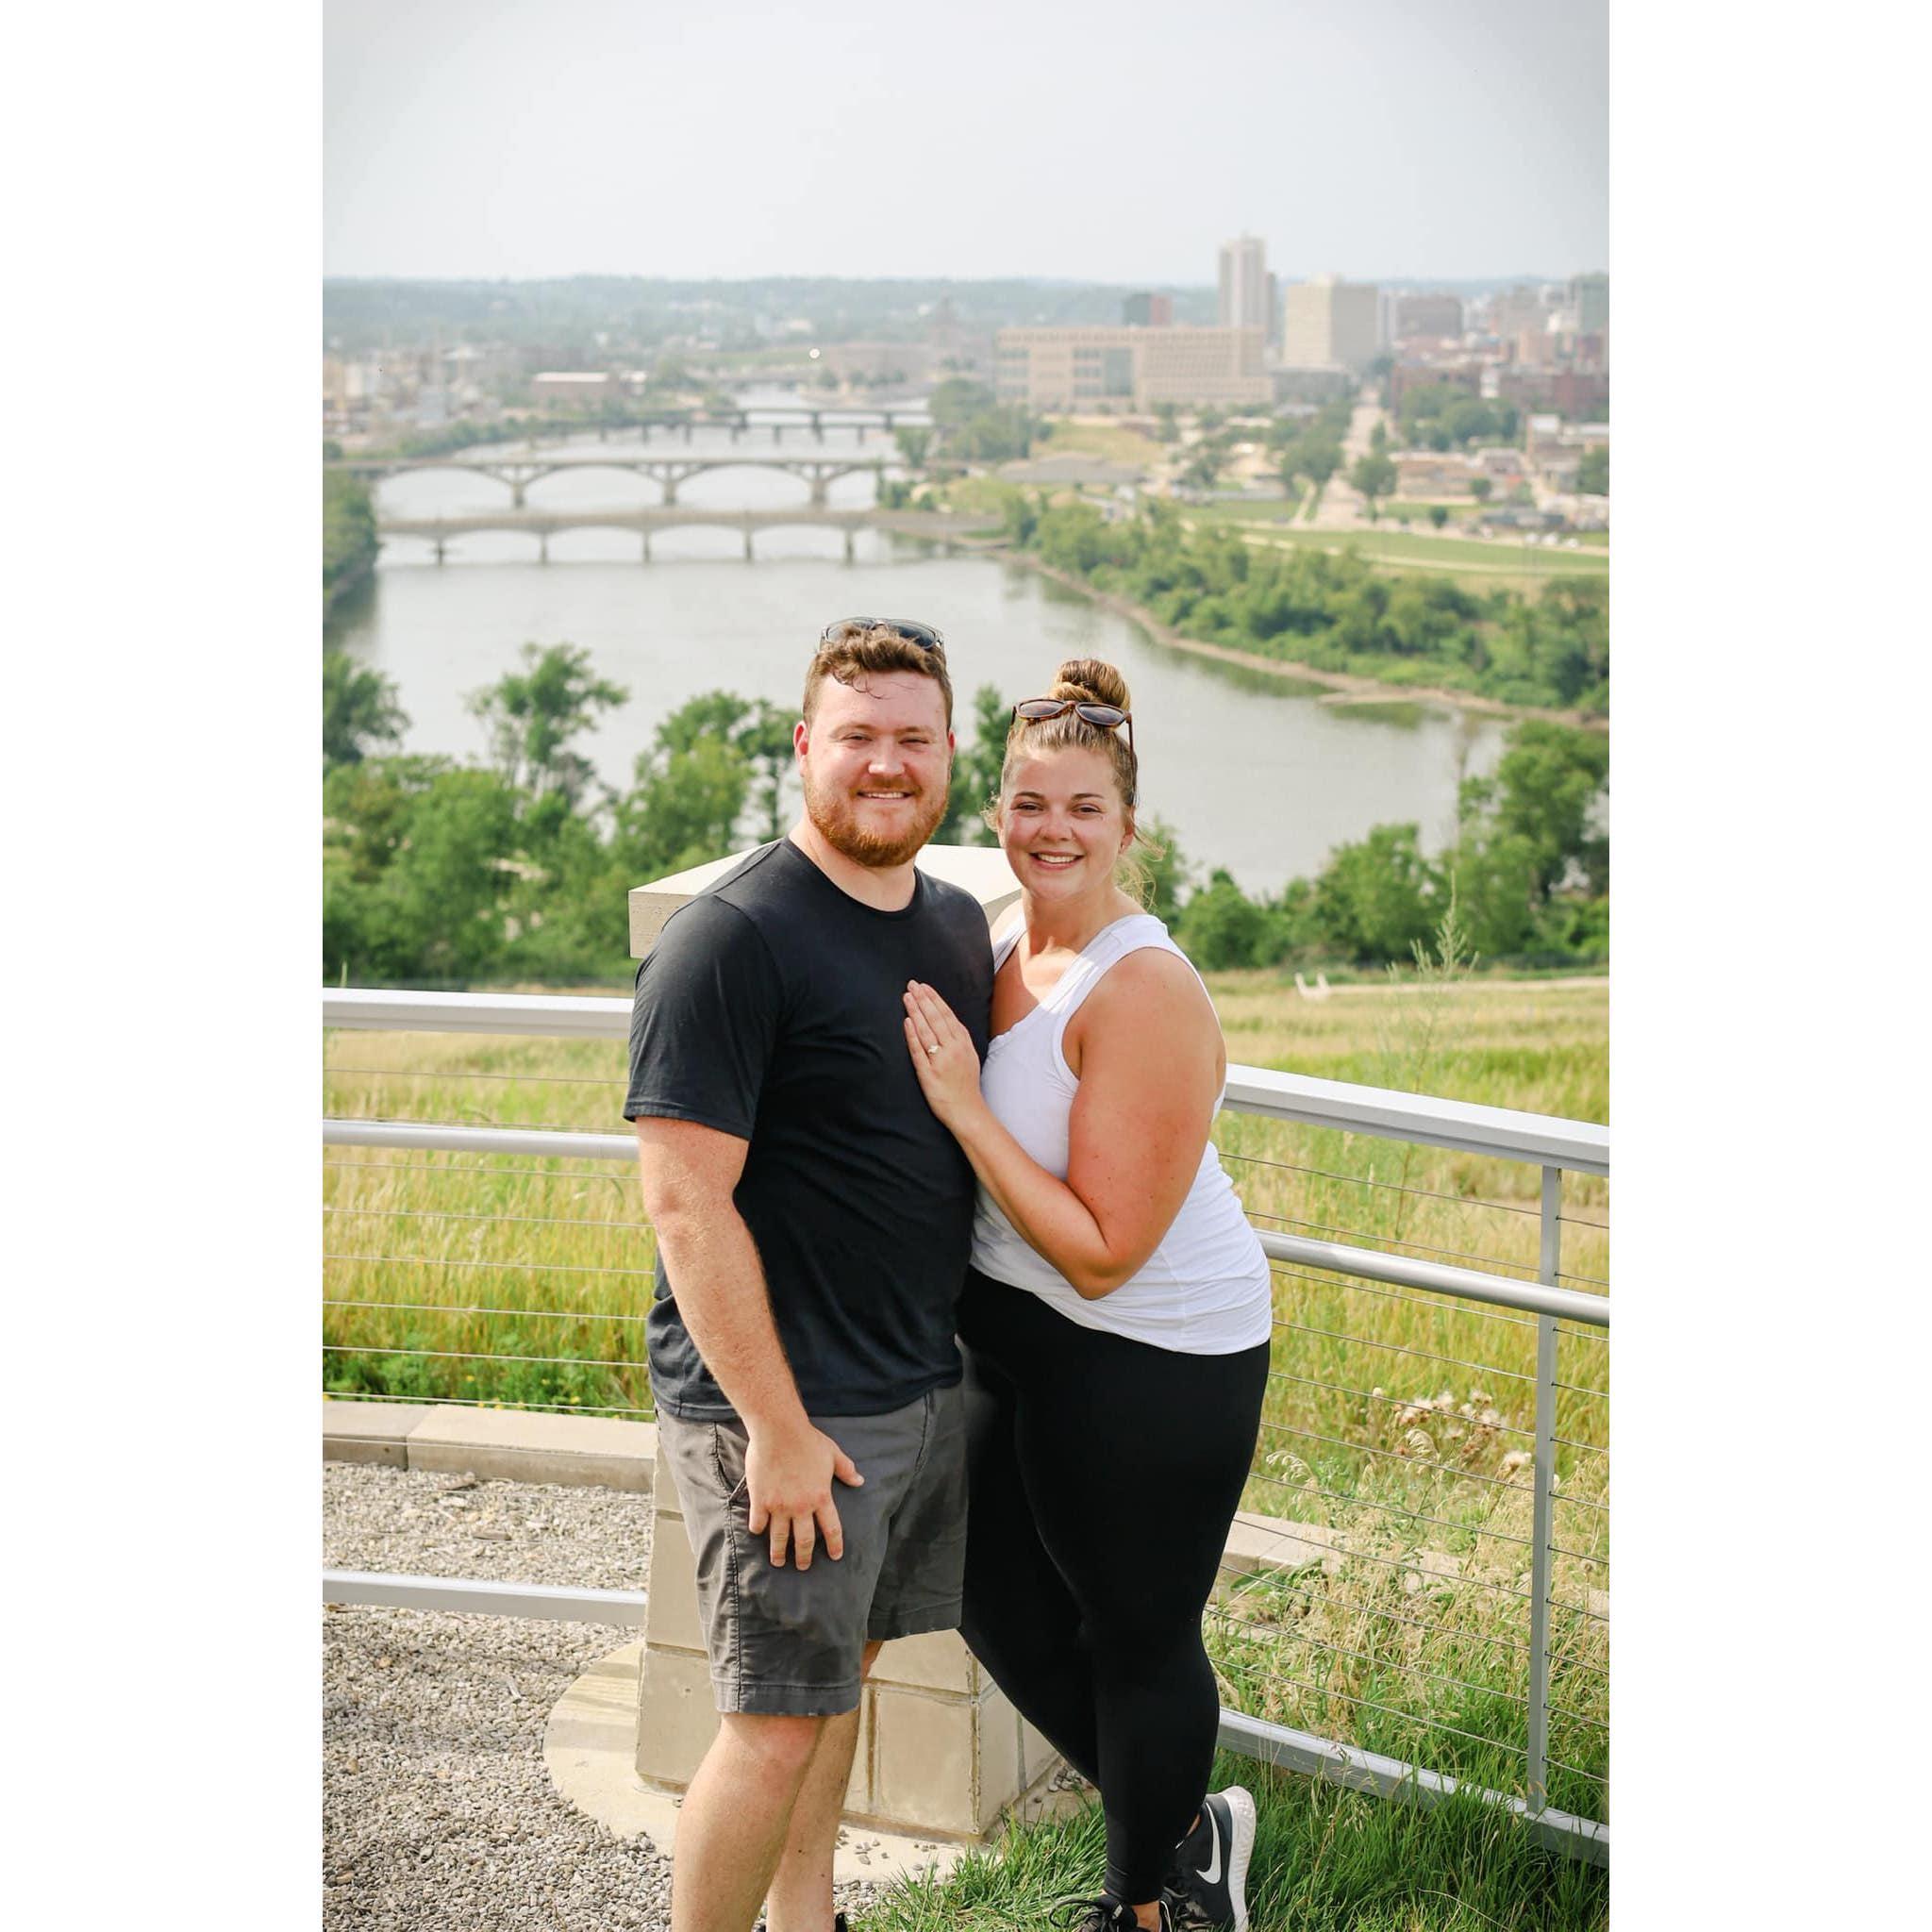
[1536,1774]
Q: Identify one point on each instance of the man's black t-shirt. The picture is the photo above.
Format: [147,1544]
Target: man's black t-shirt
[769,1008]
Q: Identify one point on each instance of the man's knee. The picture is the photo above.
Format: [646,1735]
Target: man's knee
[780,1744]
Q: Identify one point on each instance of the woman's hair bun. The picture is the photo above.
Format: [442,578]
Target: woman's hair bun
[1091,680]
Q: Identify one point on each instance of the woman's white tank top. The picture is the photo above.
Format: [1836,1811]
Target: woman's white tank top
[1205,1290]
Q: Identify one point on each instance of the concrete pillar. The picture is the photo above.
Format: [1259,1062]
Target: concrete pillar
[941,1754]
[544,546]
[819,482]
[647,546]
[850,555]
[669,479]
[516,493]
[748,554]
[687,430]
[439,550]
[818,426]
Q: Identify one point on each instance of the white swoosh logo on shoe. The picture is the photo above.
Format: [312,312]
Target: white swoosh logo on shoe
[1213,1875]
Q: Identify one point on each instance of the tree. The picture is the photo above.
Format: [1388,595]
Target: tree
[1168,872]
[1438,514]
[1373,476]
[1221,926]
[1378,898]
[1546,790]
[532,715]
[976,765]
[359,711]
[1481,489]
[914,441]
[1321,456]
[1593,471]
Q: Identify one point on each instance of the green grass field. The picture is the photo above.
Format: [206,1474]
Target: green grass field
[1464,555]
[1109,443]
[1396,1426]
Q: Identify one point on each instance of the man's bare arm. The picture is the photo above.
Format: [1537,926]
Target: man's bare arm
[689,1173]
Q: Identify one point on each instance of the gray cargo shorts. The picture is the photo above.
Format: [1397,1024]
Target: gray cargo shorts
[787,1641]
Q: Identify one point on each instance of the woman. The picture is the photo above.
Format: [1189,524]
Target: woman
[1116,1317]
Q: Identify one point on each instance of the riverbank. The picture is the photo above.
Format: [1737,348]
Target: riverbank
[1345,687]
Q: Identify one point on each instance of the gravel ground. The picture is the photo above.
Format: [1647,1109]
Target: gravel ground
[438,1813]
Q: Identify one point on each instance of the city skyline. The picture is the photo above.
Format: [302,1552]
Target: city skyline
[1384,140]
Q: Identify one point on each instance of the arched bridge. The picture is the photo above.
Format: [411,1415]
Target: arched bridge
[667,471]
[942,527]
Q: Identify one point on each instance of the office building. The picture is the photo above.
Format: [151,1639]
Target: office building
[1438,318]
[1147,311]
[1330,324]
[1131,367]
[1244,284]
[1589,301]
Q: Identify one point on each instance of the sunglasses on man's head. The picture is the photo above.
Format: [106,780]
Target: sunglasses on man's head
[924,635]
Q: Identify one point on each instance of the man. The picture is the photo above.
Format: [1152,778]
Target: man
[814,1223]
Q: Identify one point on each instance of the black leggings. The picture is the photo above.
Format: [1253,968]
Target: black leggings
[1105,1474]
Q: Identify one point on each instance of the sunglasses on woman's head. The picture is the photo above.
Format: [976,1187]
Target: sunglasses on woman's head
[1105,717]
[925,636]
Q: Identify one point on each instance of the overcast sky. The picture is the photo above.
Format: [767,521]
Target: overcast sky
[1086,139]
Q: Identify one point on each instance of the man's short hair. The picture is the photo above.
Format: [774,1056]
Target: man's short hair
[853,650]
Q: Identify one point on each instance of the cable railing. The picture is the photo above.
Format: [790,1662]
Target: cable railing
[1401,1610]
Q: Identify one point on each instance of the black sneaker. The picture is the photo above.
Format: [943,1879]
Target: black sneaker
[1106,1915]
[838,1924]
[1209,1885]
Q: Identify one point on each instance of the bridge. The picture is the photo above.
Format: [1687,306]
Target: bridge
[666,472]
[944,527]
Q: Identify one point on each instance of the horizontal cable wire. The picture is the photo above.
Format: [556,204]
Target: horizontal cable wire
[1400,1348]
[451,1354]
[1583,1388]
[1429,1724]
[1428,1299]
[1365,1237]
[1356,1180]
[1390,1509]
[1473,1475]
[1584,1220]
[437,1168]
[525,1267]
[1592,1280]
[1279,1582]
[1403,1563]
[447,1309]
[1398,1402]
[506,1219]
[1290,1635]
[483,1402]
[465,1074]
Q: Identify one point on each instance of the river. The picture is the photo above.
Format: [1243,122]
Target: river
[1251,774]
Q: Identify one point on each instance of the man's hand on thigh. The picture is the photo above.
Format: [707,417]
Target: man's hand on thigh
[788,1477]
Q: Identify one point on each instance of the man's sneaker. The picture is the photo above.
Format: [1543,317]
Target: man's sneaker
[1210,1885]
[1106,1915]
[838,1924]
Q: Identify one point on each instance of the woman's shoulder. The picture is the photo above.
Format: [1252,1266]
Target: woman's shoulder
[1152,981]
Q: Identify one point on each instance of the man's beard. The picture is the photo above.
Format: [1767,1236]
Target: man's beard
[837,818]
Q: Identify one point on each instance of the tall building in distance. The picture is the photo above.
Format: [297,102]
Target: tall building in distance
[1436,316]
[1145,310]
[1589,298]
[1244,285]
[1330,324]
